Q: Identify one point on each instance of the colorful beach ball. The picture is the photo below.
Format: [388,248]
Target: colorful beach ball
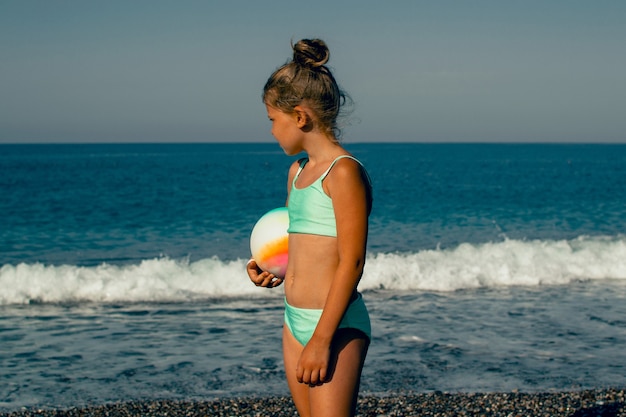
[269,241]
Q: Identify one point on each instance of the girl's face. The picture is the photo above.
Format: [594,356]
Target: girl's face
[286,130]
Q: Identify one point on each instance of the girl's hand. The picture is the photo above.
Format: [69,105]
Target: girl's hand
[312,367]
[261,278]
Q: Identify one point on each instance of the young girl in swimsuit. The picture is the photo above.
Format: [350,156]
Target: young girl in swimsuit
[327,327]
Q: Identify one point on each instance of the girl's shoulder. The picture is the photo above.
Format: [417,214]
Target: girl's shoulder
[344,170]
[350,173]
[345,165]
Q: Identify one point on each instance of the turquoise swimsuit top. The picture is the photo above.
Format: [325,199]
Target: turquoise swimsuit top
[310,208]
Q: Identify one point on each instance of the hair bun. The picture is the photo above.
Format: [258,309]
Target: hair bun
[310,53]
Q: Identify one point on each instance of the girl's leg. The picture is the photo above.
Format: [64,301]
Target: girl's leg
[338,397]
[292,349]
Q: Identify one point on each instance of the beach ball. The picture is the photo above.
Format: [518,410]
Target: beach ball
[269,241]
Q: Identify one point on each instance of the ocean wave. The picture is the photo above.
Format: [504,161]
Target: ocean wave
[501,264]
[467,266]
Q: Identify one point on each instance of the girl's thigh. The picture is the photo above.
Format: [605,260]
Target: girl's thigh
[292,349]
[338,396]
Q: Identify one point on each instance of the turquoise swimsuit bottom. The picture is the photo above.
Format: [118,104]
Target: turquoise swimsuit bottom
[302,322]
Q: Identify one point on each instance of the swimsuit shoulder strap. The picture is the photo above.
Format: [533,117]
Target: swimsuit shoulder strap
[335,161]
[302,162]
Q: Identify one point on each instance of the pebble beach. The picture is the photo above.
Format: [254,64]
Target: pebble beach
[587,403]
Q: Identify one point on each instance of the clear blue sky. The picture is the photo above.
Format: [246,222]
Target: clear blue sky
[419,71]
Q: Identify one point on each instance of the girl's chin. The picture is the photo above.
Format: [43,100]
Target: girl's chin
[290,152]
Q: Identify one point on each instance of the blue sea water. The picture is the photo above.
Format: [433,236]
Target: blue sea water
[490,267]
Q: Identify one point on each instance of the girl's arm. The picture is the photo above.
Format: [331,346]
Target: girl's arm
[350,195]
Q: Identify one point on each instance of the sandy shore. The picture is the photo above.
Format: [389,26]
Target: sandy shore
[596,403]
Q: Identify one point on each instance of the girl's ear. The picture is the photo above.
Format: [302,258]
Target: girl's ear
[302,118]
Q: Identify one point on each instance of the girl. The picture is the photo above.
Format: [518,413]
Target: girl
[327,327]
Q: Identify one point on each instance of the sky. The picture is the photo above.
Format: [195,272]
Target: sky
[85,71]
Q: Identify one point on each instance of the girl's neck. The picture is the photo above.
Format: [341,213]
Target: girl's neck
[322,148]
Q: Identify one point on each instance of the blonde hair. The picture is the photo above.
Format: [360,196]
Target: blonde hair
[306,80]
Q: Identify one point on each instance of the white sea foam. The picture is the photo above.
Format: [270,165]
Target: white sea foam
[501,264]
[160,279]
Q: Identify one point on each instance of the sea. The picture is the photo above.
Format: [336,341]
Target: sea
[490,268]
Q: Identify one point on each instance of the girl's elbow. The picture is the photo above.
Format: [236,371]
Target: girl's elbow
[353,264]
